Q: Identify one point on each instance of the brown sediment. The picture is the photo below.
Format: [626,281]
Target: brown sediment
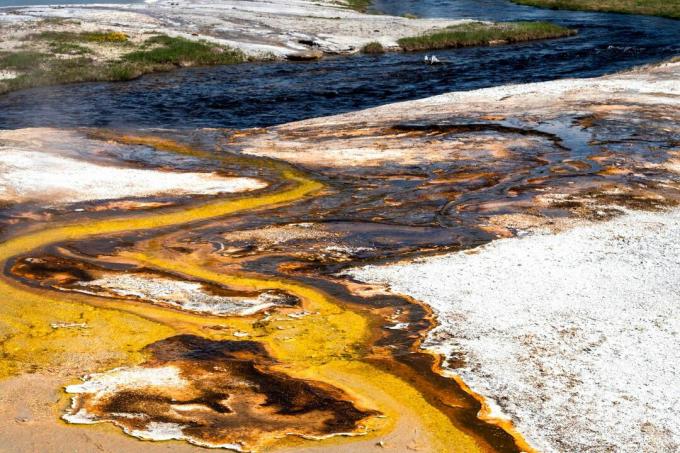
[226,395]
[522,156]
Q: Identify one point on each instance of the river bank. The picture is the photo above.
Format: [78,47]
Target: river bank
[253,94]
[259,29]
[60,45]
[45,45]
[49,45]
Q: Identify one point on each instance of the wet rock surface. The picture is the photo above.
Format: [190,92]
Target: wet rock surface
[250,254]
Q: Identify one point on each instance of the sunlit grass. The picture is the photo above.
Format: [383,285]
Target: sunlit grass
[665,8]
[165,50]
[100,37]
[481,34]
[359,5]
[22,60]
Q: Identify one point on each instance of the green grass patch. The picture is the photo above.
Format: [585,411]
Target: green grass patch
[373,47]
[58,21]
[68,48]
[481,34]
[166,50]
[664,8]
[159,53]
[359,5]
[57,71]
[22,60]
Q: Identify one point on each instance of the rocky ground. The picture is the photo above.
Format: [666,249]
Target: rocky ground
[263,28]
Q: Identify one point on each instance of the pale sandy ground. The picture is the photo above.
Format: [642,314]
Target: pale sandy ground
[40,170]
[259,28]
[575,336]
[6,75]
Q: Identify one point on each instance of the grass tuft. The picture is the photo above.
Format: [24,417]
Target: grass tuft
[373,47]
[68,48]
[483,34]
[22,60]
[664,8]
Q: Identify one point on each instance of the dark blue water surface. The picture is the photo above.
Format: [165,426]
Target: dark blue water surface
[272,93]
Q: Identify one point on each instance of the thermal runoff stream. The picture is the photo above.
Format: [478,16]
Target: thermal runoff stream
[203,258]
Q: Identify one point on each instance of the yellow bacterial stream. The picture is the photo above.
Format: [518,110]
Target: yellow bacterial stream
[327,345]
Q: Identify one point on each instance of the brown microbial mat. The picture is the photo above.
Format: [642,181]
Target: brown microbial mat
[212,393]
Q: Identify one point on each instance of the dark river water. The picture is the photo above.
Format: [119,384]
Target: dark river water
[265,94]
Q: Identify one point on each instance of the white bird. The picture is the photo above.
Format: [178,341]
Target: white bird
[427,59]
[434,60]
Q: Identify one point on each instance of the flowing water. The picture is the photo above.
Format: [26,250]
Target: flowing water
[264,94]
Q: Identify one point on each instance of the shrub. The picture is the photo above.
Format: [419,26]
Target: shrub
[373,47]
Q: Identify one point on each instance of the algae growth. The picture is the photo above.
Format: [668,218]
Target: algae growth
[329,347]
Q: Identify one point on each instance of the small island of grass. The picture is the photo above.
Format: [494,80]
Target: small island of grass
[484,34]
[664,8]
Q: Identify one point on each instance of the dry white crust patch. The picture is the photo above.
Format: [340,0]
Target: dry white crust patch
[186,295]
[575,336]
[29,175]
